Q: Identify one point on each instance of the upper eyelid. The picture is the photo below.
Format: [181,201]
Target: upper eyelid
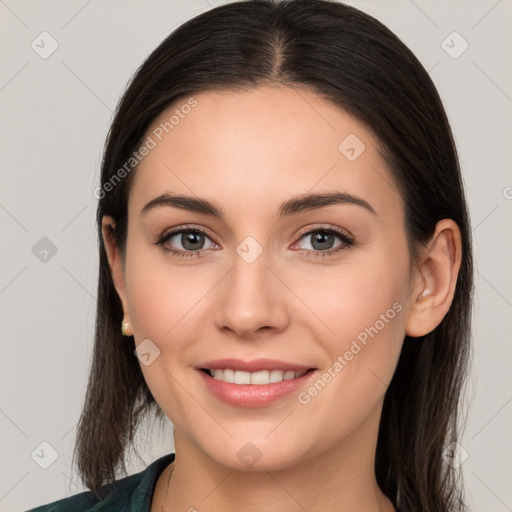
[180,229]
[326,227]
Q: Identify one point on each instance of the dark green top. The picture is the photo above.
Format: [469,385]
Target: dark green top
[132,493]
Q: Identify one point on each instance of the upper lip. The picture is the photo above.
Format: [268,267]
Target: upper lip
[255,365]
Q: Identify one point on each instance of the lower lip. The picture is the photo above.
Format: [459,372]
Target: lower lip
[253,395]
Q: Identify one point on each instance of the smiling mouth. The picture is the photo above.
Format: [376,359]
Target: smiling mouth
[263,377]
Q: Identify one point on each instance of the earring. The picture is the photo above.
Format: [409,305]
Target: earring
[124,327]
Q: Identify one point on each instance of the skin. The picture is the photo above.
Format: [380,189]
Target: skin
[248,152]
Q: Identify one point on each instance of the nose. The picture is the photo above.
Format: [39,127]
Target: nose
[251,300]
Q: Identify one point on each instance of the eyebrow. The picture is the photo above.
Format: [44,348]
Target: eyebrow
[298,204]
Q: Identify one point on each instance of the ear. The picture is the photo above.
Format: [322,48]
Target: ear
[108,227]
[435,282]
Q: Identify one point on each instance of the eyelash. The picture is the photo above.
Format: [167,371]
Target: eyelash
[347,241]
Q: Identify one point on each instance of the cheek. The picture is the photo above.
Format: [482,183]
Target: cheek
[370,344]
[161,302]
[368,305]
[354,295]
[152,304]
[363,305]
[159,293]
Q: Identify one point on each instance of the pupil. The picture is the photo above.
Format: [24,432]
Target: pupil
[321,238]
[189,239]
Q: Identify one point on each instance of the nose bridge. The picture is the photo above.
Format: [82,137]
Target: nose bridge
[250,272]
[249,279]
[250,296]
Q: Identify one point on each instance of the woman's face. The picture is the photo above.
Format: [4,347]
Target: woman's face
[308,285]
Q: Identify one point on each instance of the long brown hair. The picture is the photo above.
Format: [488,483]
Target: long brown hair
[353,61]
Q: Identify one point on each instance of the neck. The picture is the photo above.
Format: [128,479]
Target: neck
[341,478]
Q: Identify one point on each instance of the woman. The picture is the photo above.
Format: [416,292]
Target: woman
[285,272]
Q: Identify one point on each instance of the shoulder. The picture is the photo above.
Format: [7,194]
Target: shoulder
[131,493]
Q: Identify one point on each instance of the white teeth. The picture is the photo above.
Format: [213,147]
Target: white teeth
[260,378]
[242,377]
[276,375]
[228,375]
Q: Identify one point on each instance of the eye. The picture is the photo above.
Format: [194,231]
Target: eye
[322,241]
[191,240]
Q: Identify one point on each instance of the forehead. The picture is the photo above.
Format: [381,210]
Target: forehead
[259,147]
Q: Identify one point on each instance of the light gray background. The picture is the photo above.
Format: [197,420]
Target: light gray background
[55,113]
